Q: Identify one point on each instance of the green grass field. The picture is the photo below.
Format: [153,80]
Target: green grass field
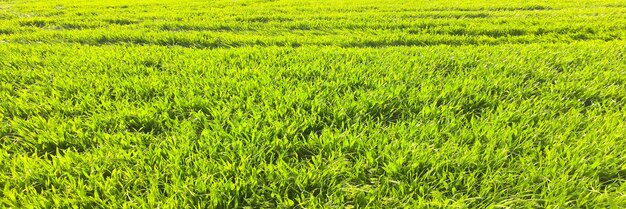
[312,104]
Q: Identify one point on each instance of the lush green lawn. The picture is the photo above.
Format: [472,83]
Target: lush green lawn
[313,104]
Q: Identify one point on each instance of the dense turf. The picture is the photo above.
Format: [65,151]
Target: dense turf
[312,104]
